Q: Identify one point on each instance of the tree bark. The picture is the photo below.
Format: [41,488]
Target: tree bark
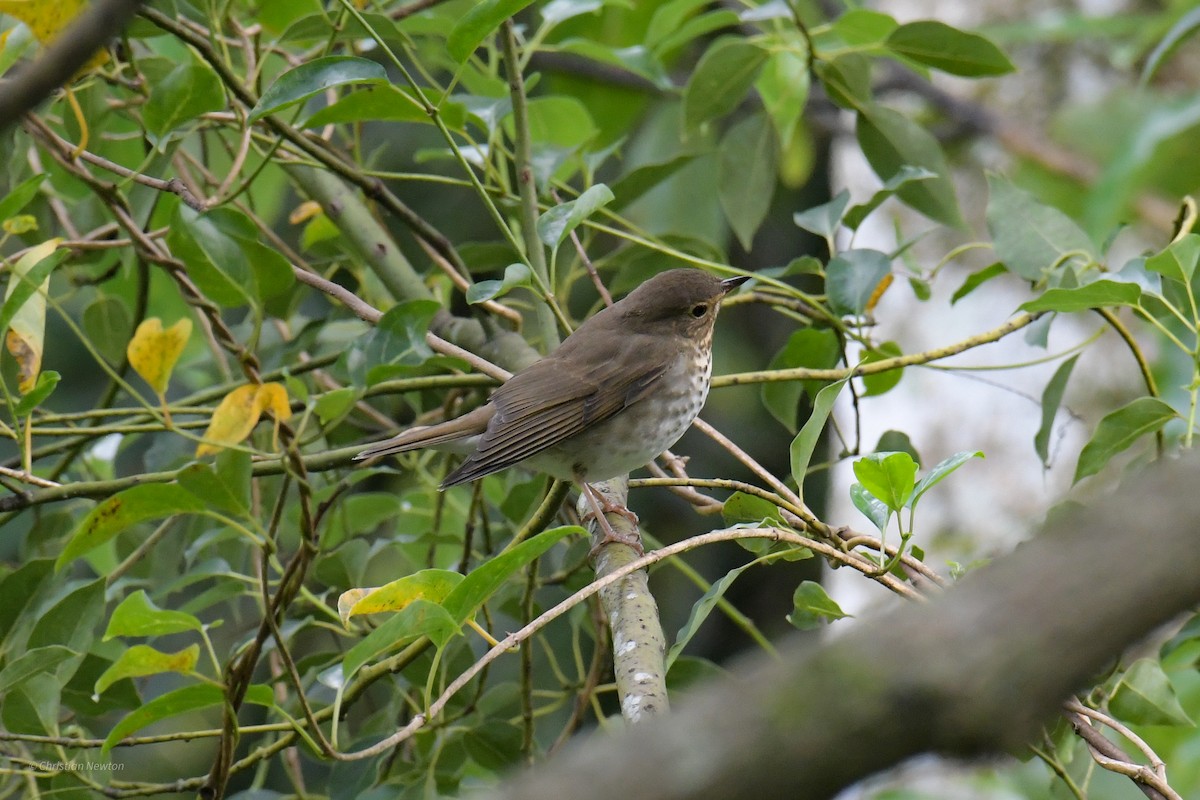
[973,672]
[58,64]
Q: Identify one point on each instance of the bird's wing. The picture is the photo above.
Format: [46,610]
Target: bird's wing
[555,399]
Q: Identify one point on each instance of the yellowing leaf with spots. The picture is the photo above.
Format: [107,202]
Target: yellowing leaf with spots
[240,411]
[153,351]
[48,18]
[141,660]
[26,335]
[428,584]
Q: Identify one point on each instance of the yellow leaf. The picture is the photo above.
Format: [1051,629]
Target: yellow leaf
[22,223]
[26,336]
[272,397]
[153,351]
[348,599]
[239,412]
[879,290]
[47,18]
[304,212]
[233,420]
[428,584]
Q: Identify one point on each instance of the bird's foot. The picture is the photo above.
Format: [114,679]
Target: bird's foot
[601,505]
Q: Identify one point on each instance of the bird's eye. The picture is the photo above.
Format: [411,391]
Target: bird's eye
[699,311]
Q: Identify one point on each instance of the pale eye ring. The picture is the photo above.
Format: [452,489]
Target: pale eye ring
[699,310]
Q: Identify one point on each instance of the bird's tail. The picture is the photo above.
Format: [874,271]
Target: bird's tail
[453,430]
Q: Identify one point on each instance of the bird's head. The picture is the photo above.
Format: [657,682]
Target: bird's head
[678,300]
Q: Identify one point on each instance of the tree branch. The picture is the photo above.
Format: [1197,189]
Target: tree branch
[59,63]
[972,672]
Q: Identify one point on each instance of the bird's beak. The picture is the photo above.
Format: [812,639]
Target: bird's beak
[729,284]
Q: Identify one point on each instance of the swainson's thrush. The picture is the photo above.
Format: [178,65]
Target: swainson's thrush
[616,393]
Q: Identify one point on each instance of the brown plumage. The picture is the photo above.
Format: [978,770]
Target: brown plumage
[619,390]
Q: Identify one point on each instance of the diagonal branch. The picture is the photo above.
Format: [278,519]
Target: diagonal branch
[59,63]
[974,671]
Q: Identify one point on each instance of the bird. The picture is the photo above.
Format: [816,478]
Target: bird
[618,391]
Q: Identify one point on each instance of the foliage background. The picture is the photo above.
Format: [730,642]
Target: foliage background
[725,134]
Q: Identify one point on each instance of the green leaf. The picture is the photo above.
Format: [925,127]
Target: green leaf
[663,43]
[397,339]
[554,226]
[859,27]
[215,261]
[824,220]
[977,279]
[46,383]
[897,442]
[1183,27]
[881,382]
[853,276]
[805,443]
[208,486]
[939,472]
[33,707]
[812,607]
[847,80]
[515,276]
[637,182]
[668,17]
[936,44]
[314,77]
[32,662]
[891,141]
[142,659]
[495,745]
[336,404]
[907,174]
[419,618]
[125,509]
[72,620]
[1120,429]
[808,347]
[108,324]
[18,589]
[721,79]
[483,18]
[889,476]
[744,508]
[1051,399]
[746,168]
[1178,261]
[387,103]
[137,615]
[871,506]
[701,610]
[1030,237]
[272,272]
[20,196]
[182,95]
[1144,696]
[1101,293]
[484,580]
[171,704]
[783,85]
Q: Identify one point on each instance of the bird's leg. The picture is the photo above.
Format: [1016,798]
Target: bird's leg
[601,505]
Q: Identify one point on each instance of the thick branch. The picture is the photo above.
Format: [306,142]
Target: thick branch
[975,671]
[59,63]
